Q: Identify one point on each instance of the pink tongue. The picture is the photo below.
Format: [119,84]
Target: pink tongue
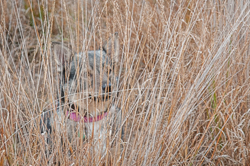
[76,117]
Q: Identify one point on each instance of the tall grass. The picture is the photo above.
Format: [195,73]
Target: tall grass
[184,78]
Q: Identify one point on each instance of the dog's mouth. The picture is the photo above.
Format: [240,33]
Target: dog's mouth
[88,118]
[76,108]
[102,98]
[73,106]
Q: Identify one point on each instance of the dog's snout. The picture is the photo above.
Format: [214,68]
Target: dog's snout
[106,88]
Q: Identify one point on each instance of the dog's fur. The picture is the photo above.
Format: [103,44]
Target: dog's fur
[86,88]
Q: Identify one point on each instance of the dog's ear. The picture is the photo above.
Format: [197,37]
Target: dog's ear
[62,55]
[112,46]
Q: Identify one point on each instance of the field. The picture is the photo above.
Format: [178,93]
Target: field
[184,69]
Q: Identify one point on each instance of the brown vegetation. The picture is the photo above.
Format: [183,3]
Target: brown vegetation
[184,67]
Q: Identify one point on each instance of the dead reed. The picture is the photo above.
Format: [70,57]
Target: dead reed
[184,70]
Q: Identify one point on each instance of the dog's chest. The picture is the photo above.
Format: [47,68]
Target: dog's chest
[96,129]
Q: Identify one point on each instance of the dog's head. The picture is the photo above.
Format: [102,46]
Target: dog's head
[87,78]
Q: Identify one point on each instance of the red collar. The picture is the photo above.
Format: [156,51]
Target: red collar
[77,117]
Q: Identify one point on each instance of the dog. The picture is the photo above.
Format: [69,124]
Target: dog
[87,93]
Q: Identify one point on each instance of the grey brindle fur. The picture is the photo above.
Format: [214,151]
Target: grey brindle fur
[87,88]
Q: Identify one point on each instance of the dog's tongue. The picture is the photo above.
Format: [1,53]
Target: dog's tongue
[76,117]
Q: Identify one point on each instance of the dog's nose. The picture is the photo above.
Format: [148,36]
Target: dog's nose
[106,88]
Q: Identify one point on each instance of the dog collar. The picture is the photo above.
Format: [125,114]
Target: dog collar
[77,117]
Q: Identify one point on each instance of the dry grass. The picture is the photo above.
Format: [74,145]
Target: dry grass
[184,67]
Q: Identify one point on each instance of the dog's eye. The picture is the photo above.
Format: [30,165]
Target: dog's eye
[109,70]
[89,74]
